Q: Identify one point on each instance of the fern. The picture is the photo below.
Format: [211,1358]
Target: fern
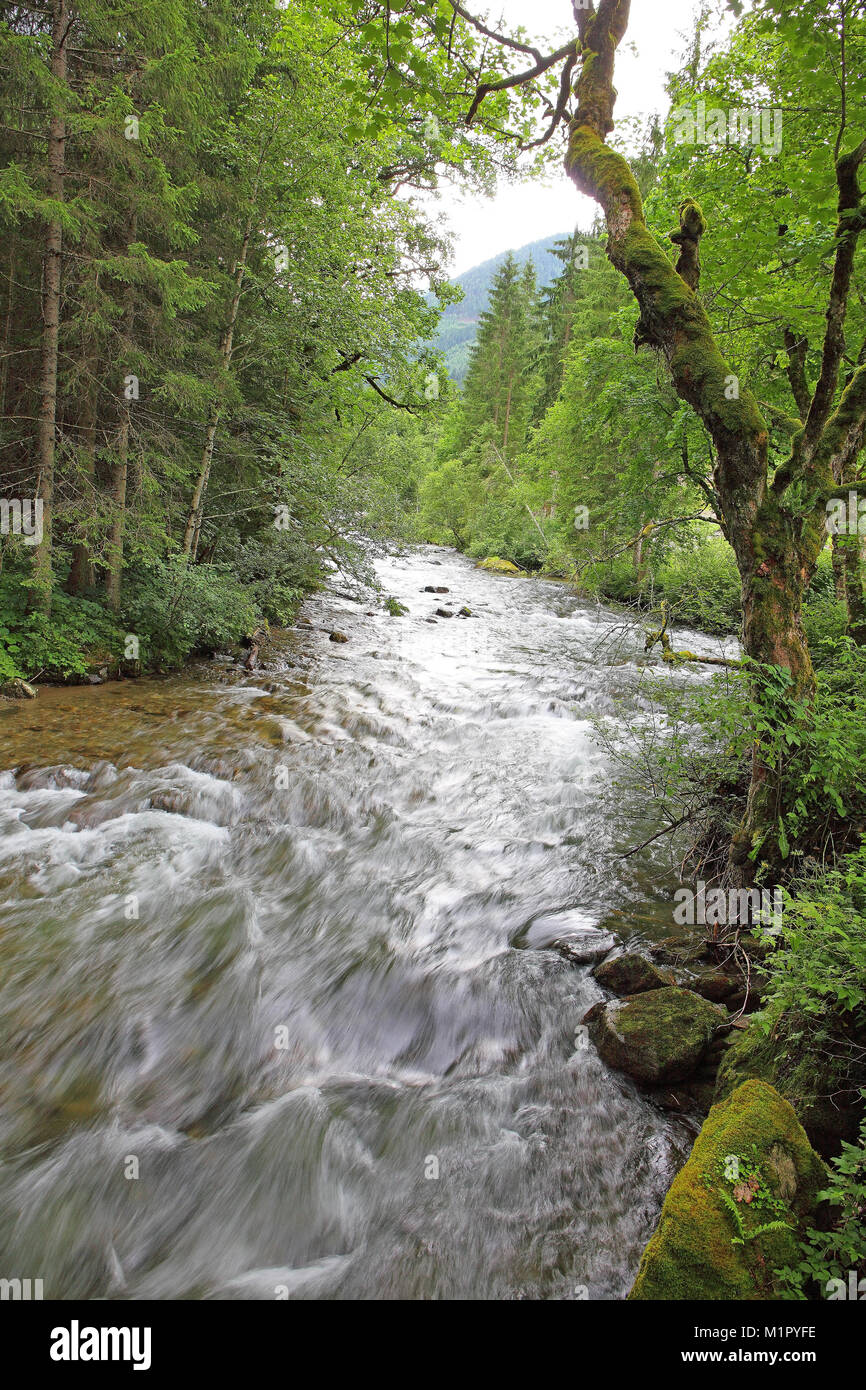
[743,1236]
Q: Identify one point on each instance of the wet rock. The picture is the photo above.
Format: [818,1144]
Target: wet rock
[430,620]
[338,636]
[585,947]
[658,1037]
[631,974]
[464,613]
[18,690]
[444,613]
[704,1250]
[435,589]
[94,680]
[572,932]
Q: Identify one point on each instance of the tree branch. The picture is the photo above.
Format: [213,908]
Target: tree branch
[796,349]
[519,79]
[492,34]
[852,219]
[399,405]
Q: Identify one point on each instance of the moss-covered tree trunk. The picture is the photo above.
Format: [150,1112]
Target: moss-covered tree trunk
[776,540]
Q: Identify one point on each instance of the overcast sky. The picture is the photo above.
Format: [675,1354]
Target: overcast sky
[523,213]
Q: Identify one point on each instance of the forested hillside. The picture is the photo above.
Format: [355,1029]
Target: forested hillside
[210,312]
[459,322]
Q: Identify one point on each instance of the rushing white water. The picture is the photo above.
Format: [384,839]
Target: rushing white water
[279,945]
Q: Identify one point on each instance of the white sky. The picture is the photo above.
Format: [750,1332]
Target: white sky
[520,213]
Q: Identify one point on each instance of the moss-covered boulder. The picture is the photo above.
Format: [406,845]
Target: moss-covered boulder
[497,566]
[659,1036]
[631,974]
[735,1211]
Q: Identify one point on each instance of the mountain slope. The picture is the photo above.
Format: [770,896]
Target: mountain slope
[459,323]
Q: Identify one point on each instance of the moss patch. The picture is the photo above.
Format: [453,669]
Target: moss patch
[631,974]
[701,1249]
[497,566]
[657,1037]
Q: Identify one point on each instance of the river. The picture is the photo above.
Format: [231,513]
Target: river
[278,1008]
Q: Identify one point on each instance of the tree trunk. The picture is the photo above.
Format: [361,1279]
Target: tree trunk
[43,571]
[81,576]
[118,500]
[120,467]
[838,562]
[507,415]
[7,330]
[194,517]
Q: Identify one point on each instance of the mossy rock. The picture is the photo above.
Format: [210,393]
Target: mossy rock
[697,1251]
[658,1037]
[631,974]
[497,566]
[805,1080]
[715,986]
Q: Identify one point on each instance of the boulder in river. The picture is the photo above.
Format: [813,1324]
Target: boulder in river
[585,947]
[714,1240]
[338,637]
[571,932]
[435,589]
[715,986]
[689,949]
[657,1037]
[18,690]
[631,974]
[497,566]
[444,613]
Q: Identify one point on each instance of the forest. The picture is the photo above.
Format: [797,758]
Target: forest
[222,274]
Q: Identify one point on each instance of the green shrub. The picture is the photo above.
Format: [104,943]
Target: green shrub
[276,573]
[77,635]
[176,609]
[835,1254]
[701,587]
[820,965]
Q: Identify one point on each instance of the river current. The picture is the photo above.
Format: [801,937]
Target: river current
[279,1013]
